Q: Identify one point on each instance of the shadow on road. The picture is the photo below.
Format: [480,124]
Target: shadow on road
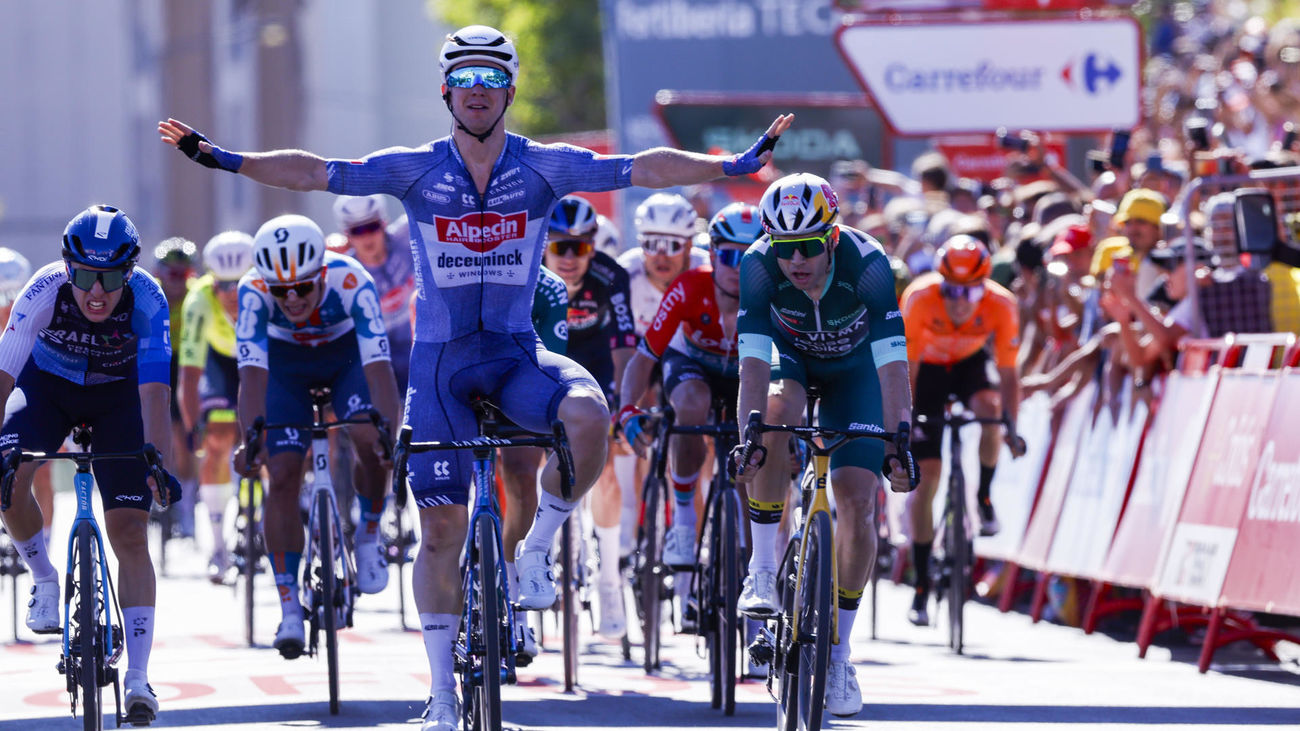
[1081,715]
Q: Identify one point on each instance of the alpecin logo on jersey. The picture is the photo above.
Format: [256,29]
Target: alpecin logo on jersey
[481,232]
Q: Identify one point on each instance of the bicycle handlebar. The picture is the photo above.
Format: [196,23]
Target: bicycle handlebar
[253,437]
[149,453]
[833,439]
[557,440]
[957,421]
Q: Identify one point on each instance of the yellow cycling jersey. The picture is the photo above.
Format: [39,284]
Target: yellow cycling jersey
[206,324]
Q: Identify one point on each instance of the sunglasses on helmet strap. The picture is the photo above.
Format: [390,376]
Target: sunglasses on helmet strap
[729,258]
[563,247]
[362,229]
[302,288]
[968,292]
[466,77]
[670,245]
[110,279]
[807,246]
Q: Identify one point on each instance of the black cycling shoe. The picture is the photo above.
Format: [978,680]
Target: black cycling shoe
[989,525]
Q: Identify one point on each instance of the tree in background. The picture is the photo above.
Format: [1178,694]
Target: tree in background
[561,62]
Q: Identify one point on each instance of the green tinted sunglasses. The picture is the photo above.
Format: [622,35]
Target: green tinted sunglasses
[111,279]
[808,246]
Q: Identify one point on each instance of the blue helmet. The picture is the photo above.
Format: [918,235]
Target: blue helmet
[574,216]
[101,236]
[736,223]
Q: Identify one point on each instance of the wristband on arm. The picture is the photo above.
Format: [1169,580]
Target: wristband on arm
[218,158]
[747,162]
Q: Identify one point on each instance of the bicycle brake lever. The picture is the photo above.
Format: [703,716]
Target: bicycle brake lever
[400,454]
[385,436]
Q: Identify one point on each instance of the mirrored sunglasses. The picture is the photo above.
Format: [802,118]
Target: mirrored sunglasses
[110,279]
[467,77]
[563,247]
[808,246]
[967,292]
[729,257]
[302,289]
[365,228]
[670,245]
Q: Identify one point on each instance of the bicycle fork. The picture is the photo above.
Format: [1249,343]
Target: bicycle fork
[323,486]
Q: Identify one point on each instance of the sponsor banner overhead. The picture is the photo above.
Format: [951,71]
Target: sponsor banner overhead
[1060,75]
[1262,573]
[1196,562]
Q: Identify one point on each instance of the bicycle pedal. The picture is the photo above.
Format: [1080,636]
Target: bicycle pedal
[139,715]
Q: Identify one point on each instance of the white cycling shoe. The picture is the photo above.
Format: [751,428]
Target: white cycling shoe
[290,638]
[525,641]
[442,712]
[613,615]
[139,703]
[758,595]
[843,696]
[536,580]
[43,608]
[679,547]
[372,568]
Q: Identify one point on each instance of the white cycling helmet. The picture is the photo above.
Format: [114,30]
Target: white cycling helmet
[228,255]
[15,270]
[288,248]
[666,214]
[354,210]
[799,204]
[606,238]
[479,43]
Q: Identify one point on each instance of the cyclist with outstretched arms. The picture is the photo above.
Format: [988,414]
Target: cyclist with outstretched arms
[951,315]
[601,339]
[693,338]
[209,377]
[817,307]
[478,201]
[311,318]
[665,225]
[88,341]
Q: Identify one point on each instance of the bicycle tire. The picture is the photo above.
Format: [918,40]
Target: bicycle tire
[709,595]
[328,594]
[959,560]
[785,664]
[730,627]
[651,578]
[490,618]
[90,661]
[816,607]
[569,605]
[251,556]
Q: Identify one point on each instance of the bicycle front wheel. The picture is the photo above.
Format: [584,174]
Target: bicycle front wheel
[650,571]
[250,496]
[958,551]
[490,614]
[725,626]
[89,641]
[816,605]
[569,577]
[329,592]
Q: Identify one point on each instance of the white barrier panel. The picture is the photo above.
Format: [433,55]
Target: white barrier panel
[1097,488]
[1161,482]
[1196,562]
[1015,484]
[1042,524]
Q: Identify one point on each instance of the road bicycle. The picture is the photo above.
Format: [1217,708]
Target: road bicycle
[953,573]
[329,574]
[574,600]
[796,646]
[652,579]
[249,548]
[399,541]
[93,640]
[486,644]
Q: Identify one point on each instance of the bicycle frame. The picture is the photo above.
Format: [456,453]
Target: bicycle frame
[322,492]
[83,483]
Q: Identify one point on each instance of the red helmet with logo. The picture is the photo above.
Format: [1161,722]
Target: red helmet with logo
[963,260]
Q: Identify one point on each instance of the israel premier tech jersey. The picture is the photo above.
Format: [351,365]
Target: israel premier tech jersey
[349,303]
[477,255]
[47,325]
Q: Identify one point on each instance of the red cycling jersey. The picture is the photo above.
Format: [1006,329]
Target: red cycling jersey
[691,303]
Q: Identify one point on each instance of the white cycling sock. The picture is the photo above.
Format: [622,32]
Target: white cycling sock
[139,638]
[214,498]
[439,631]
[684,510]
[841,652]
[625,476]
[552,511]
[764,534]
[35,553]
[608,545]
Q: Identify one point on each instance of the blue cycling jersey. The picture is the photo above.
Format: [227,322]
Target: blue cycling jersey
[477,255]
[349,303]
[46,325]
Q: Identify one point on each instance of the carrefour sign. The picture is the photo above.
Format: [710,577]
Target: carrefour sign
[1061,75]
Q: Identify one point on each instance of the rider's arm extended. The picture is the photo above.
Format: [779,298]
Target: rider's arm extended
[292,169]
[661,167]
[1006,350]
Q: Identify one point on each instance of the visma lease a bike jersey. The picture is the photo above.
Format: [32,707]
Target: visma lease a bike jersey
[47,325]
[477,256]
[349,303]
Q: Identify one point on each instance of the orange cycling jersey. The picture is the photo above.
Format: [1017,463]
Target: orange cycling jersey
[933,338]
[689,322]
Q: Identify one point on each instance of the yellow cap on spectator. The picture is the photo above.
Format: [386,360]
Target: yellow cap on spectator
[1109,249]
[1142,204]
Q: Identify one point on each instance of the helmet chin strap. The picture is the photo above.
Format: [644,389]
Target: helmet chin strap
[482,138]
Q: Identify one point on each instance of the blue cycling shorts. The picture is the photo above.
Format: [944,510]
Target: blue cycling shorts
[512,371]
[44,409]
[851,399]
[294,371]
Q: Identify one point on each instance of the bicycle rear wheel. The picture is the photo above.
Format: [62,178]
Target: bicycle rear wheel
[785,658]
[250,495]
[329,592]
[959,561]
[89,662]
[569,608]
[816,604]
[730,627]
[650,571]
[490,616]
